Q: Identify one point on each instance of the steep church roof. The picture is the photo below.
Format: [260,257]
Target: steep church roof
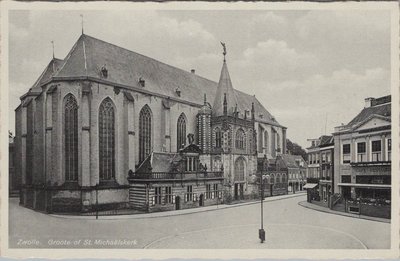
[46,75]
[126,68]
[225,93]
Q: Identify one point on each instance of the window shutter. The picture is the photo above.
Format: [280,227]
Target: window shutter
[173,199]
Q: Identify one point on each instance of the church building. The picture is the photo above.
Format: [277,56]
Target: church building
[108,128]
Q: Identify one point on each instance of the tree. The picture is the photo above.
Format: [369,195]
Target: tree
[295,149]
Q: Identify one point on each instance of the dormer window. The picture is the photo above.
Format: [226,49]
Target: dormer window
[104,72]
[261,116]
[178,92]
[142,82]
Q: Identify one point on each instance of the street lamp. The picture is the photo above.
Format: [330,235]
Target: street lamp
[261,231]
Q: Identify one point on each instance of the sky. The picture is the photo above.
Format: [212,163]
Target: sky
[311,69]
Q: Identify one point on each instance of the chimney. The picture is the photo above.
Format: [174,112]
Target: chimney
[368,102]
[193,71]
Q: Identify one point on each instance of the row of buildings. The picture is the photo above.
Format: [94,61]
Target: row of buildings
[108,128]
[351,169]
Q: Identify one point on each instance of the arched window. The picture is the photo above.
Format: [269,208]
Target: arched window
[218,138]
[217,164]
[145,132]
[260,139]
[272,179]
[107,140]
[266,141]
[181,132]
[239,169]
[71,138]
[240,139]
[278,142]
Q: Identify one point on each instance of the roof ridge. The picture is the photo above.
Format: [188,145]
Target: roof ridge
[148,57]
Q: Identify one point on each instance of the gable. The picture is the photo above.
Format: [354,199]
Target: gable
[373,122]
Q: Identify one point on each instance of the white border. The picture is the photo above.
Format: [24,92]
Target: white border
[204,253]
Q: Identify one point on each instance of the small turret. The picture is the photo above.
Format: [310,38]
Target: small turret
[252,111]
[225,105]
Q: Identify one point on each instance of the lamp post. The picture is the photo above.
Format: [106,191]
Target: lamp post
[97,202]
[261,231]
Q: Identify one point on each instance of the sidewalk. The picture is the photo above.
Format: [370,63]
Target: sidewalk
[327,210]
[183,211]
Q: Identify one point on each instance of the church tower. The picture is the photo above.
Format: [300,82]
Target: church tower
[204,127]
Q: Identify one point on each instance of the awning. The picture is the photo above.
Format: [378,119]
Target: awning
[310,185]
[382,186]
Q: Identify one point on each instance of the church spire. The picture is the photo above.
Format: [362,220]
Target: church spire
[225,97]
[225,105]
[82,22]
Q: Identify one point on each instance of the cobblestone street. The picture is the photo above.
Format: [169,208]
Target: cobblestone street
[287,224]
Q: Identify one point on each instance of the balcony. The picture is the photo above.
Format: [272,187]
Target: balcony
[175,176]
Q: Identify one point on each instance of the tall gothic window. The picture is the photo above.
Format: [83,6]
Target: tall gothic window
[239,169]
[260,139]
[218,138]
[181,132]
[107,140]
[71,138]
[278,142]
[144,133]
[266,141]
[240,139]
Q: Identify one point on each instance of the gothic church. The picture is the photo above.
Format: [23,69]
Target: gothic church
[108,128]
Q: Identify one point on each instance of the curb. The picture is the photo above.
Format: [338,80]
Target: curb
[344,214]
[171,213]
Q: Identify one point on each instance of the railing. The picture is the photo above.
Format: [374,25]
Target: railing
[177,175]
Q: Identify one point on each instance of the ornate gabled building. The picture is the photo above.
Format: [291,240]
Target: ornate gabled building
[362,160]
[91,130]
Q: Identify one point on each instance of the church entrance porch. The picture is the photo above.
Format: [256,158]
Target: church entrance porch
[239,191]
[201,200]
[177,203]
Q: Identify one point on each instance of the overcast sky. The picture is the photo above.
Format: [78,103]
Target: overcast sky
[307,68]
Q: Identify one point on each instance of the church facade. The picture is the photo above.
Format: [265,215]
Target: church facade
[108,128]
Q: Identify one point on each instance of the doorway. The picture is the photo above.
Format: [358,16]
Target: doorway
[177,203]
[236,191]
[201,200]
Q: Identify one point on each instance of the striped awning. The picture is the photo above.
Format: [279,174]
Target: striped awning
[310,185]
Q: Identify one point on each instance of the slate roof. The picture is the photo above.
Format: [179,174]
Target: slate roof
[224,90]
[382,110]
[290,160]
[126,67]
[46,75]
[326,140]
[158,162]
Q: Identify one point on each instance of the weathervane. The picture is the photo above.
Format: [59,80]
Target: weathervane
[224,47]
[82,22]
[52,43]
